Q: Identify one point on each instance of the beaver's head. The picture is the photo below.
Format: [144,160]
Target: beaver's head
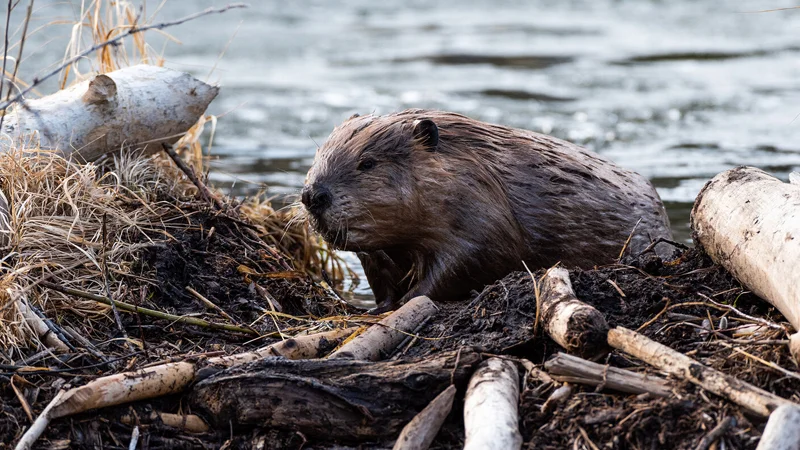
[363,191]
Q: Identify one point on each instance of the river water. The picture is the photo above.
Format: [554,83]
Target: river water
[676,90]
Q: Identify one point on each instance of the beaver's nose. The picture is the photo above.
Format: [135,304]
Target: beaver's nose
[317,198]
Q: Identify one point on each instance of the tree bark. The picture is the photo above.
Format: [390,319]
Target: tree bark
[340,399]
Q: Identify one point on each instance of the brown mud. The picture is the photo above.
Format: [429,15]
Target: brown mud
[666,299]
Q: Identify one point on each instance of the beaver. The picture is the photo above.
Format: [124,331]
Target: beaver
[436,203]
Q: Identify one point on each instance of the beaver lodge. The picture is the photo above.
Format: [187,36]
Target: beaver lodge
[141,308]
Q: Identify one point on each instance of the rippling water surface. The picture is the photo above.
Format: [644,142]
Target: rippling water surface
[676,90]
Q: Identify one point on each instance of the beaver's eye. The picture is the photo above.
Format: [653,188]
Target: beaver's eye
[366,164]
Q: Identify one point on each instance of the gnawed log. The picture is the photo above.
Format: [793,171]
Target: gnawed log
[754,399]
[332,398]
[423,428]
[491,419]
[158,380]
[380,339]
[749,222]
[141,106]
[783,430]
[577,327]
[568,368]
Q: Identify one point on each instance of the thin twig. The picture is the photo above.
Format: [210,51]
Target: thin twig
[13,79]
[114,41]
[146,311]
[5,50]
[763,361]
[628,241]
[651,321]
[730,308]
[117,318]
[204,191]
[716,433]
[19,58]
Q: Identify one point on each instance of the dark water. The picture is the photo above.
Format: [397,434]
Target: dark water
[676,90]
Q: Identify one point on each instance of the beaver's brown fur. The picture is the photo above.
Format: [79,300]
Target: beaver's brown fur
[438,204]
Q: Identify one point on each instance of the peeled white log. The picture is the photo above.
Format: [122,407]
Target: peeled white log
[749,222]
[383,337]
[141,106]
[783,430]
[491,420]
[577,327]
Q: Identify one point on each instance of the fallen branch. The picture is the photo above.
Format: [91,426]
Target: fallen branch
[151,382]
[756,400]
[568,368]
[201,187]
[490,407]
[383,337]
[574,325]
[341,399]
[783,430]
[146,311]
[423,428]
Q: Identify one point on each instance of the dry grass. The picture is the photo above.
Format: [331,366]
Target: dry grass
[85,226]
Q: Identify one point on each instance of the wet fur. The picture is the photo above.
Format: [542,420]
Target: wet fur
[442,221]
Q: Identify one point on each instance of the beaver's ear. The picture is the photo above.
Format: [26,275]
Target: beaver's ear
[426,133]
[353,116]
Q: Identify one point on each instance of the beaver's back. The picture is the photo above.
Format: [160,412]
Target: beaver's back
[575,206]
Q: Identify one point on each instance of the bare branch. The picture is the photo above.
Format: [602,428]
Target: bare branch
[115,41]
[5,47]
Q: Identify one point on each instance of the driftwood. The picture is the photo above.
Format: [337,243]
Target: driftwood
[490,407]
[380,339]
[140,107]
[159,380]
[749,222]
[332,398]
[423,428]
[574,325]
[755,400]
[571,369]
[783,430]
